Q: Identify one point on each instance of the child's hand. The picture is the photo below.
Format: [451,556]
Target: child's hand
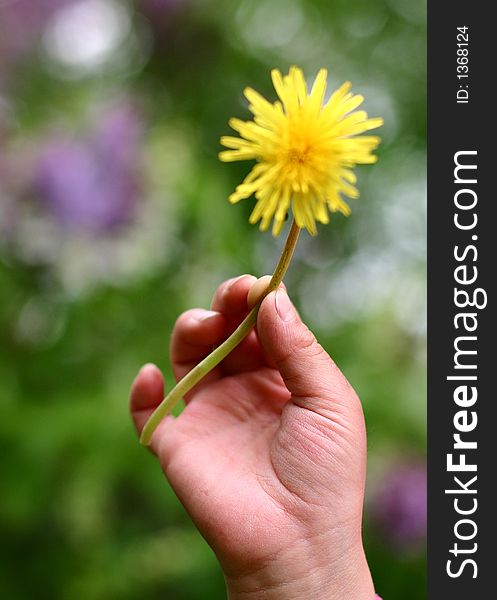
[269,455]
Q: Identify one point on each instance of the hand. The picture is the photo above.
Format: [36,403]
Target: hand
[269,455]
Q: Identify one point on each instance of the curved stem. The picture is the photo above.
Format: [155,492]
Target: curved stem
[219,353]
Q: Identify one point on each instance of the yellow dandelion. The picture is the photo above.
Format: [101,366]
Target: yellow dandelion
[305,150]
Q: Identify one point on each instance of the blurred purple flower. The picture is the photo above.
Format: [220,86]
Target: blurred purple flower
[92,184]
[399,507]
[21,26]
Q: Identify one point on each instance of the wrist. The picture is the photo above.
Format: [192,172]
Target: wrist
[296,575]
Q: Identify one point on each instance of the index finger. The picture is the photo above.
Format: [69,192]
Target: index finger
[230,297]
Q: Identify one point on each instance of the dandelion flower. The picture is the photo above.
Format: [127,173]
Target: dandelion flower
[305,150]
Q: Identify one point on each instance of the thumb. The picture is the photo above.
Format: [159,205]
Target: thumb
[313,379]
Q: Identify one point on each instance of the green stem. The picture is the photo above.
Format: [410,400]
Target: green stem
[222,351]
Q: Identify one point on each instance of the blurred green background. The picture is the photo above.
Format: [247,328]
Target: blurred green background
[114,219]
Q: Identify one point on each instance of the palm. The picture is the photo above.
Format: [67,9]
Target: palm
[218,458]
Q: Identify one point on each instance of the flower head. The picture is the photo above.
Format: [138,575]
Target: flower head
[305,150]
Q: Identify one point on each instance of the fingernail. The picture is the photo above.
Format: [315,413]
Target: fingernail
[208,314]
[284,306]
[257,290]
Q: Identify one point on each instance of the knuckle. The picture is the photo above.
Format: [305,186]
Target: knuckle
[307,343]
